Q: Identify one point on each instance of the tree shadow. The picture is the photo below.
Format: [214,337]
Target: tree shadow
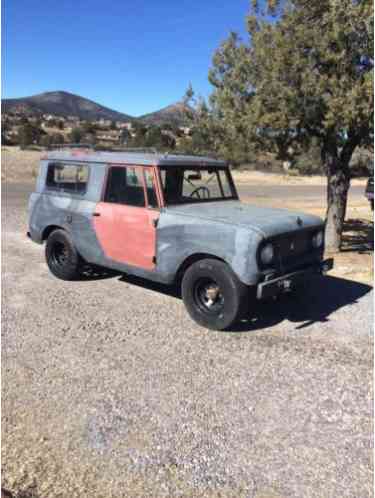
[315,304]
[358,236]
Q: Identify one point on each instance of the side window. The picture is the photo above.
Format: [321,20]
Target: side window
[68,177]
[151,190]
[125,186]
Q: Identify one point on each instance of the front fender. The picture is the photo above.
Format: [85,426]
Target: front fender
[180,237]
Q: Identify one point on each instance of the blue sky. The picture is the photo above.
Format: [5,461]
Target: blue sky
[133,56]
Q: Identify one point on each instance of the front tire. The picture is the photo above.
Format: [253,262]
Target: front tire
[213,295]
[62,257]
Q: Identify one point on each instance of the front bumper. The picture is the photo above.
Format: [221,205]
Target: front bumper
[288,282]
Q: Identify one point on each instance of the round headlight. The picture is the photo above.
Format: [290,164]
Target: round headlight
[318,239]
[266,254]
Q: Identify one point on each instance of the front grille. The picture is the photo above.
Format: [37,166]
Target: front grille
[293,248]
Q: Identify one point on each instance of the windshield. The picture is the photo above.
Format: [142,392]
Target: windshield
[199,184]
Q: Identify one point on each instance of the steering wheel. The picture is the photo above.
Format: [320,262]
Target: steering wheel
[204,190]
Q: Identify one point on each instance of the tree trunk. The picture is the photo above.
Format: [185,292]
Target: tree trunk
[337,195]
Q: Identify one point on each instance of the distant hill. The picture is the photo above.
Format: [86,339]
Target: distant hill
[62,104]
[172,114]
[67,104]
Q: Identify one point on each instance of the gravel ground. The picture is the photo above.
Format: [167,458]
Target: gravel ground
[110,390]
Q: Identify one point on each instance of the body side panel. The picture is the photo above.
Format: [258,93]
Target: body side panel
[179,237]
[127,233]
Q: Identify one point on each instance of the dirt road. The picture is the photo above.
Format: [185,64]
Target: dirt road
[110,390]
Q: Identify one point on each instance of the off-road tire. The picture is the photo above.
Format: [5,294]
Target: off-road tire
[68,265]
[233,291]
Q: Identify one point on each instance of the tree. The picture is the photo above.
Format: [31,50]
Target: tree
[211,131]
[28,134]
[57,139]
[124,137]
[306,74]
[76,135]
[138,135]
[46,141]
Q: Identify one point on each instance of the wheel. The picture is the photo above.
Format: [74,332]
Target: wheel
[213,295]
[62,257]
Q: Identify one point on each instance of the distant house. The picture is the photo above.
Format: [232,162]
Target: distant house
[128,126]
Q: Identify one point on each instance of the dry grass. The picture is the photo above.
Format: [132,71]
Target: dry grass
[19,165]
[260,178]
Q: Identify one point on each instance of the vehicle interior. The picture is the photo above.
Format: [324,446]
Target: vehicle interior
[198,184]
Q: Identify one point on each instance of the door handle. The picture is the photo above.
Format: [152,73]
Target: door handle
[96,214]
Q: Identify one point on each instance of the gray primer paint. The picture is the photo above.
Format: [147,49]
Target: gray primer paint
[228,230]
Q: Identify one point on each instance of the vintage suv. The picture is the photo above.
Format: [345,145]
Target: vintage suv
[173,219]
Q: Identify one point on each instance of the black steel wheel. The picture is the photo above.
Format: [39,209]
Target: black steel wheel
[213,295]
[62,257]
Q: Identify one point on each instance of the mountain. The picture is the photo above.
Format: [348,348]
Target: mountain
[172,114]
[62,104]
[67,104]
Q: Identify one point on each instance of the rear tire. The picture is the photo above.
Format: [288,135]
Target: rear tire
[213,295]
[62,257]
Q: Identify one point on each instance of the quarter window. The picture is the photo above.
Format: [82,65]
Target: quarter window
[68,177]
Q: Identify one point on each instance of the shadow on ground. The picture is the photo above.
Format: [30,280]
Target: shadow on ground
[315,303]
[358,236]
[97,273]
[322,297]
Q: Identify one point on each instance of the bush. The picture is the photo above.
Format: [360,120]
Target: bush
[362,163]
[306,164]
[309,162]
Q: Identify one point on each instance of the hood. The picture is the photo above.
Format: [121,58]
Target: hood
[268,222]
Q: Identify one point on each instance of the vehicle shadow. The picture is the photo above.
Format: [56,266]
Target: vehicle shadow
[358,236]
[90,272]
[322,297]
[168,290]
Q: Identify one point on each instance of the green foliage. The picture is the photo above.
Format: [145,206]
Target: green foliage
[76,135]
[28,134]
[46,140]
[307,73]
[151,136]
[125,137]
[50,140]
[58,138]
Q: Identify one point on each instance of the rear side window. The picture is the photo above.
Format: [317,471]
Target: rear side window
[68,177]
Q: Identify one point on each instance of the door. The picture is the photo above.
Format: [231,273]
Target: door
[125,221]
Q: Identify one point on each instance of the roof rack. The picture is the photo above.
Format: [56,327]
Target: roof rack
[145,150]
[69,146]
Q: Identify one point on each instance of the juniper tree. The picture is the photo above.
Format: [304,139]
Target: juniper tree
[307,72]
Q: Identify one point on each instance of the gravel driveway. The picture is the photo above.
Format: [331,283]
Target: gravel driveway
[110,390]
